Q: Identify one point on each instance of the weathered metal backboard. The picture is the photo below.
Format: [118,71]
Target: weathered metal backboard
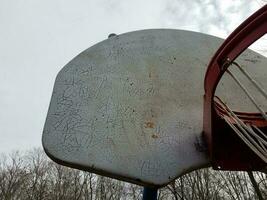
[130,107]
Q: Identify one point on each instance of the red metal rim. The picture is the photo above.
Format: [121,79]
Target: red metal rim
[247,33]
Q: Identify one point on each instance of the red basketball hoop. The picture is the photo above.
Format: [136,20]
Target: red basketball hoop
[225,130]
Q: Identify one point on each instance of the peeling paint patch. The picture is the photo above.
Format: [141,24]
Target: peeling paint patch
[155,136]
[149,125]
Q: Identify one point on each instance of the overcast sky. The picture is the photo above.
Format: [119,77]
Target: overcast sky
[37,38]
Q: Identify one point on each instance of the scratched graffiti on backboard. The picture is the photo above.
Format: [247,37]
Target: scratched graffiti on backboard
[130,107]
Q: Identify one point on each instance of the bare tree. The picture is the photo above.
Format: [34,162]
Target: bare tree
[12,176]
[32,176]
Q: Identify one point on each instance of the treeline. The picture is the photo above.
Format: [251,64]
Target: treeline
[32,176]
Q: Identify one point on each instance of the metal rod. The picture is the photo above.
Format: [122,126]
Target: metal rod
[261,153]
[260,132]
[262,91]
[150,193]
[243,134]
[248,94]
[260,140]
[246,140]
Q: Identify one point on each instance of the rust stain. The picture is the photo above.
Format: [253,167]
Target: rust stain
[155,136]
[152,72]
[149,125]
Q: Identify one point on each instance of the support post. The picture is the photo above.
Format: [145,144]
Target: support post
[255,185]
[150,193]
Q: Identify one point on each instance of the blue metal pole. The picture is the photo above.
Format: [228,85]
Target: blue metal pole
[150,193]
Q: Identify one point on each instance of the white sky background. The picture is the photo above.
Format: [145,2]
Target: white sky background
[38,37]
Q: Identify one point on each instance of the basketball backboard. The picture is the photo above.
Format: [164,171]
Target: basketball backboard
[131,107]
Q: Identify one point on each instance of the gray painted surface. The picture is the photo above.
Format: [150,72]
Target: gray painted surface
[131,106]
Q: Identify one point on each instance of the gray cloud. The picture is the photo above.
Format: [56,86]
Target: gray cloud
[210,16]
